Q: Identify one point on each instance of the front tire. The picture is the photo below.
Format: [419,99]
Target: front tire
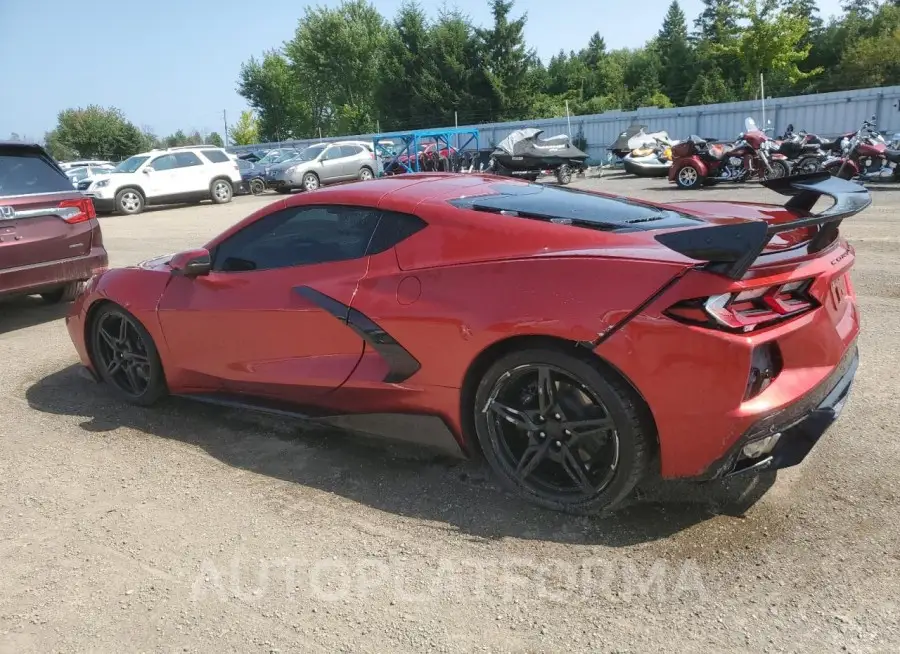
[560,431]
[257,187]
[125,356]
[310,182]
[129,201]
[564,174]
[779,169]
[221,191]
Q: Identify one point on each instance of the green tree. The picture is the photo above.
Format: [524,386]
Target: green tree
[213,138]
[245,130]
[272,87]
[676,53]
[335,54]
[94,132]
[506,59]
[770,43]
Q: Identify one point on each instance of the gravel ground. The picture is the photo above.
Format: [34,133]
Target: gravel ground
[191,528]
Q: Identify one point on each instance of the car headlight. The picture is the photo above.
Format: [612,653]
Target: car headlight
[290,171]
[101,184]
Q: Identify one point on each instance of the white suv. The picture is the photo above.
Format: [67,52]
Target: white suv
[165,177]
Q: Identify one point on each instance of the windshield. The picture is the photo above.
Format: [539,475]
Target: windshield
[750,125]
[130,165]
[311,153]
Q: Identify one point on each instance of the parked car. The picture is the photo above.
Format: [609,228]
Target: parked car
[82,173]
[327,163]
[68,165]
[50,240]
[165,177]
[251,178]
[679,359]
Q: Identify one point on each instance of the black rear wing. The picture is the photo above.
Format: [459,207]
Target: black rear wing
[731,249]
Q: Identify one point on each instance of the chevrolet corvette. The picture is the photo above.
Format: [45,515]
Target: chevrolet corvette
[576,341]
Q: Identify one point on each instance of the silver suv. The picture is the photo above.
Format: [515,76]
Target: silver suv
[327,163]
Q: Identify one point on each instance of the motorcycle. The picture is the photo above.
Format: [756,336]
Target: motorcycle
[866,157]
[697,163]
[806,152]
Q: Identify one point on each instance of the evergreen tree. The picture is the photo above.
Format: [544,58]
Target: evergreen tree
[676,54]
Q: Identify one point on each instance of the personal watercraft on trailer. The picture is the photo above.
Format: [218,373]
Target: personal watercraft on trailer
[524,154]
[652,157]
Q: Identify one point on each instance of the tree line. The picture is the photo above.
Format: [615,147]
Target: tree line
[348,70]
[96,132]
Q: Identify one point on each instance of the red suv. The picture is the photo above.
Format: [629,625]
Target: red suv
[50,239]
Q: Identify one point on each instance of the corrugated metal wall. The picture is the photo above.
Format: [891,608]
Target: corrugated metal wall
[826,114]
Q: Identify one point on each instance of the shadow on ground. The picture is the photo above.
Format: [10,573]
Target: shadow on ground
[23,312]
[395,477]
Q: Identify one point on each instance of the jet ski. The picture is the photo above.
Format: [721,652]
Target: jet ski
[524,154]
[647,162]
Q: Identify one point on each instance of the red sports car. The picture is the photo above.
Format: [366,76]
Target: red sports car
[578,341]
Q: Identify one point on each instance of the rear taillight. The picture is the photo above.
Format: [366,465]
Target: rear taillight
[747,310]
[76,211]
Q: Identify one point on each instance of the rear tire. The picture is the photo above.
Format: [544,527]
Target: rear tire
[257,187]
[126,357]
[221,191]
[365,174]
[689,178]
[66,293]
[521,409]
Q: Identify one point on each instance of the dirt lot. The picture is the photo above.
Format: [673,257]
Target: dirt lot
[188,528]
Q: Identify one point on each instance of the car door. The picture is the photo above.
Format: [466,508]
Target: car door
[331,164]
[158,178]
[192,178]
[270,319]
[351,160]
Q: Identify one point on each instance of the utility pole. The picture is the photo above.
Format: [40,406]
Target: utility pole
[762,96]
[225,122]
[568,121]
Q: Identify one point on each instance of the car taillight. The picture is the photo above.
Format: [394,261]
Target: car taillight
[747,310]
[76,211]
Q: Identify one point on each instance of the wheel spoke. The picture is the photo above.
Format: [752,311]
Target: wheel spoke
[123,330]
[588,425]
[532,457]
[546,391]
[514,416]
[109,339]
[113,366]
[574,467]
[133,380]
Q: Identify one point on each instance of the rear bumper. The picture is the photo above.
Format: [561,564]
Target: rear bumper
[799,425]
[104,205]
[37,278]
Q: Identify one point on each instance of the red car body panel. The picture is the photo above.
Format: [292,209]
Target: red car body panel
[470,281]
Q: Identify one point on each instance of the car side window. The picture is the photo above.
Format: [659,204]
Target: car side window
[186,159]
[394,227]
[298,236]
[331,153]
[350,150]
[165,162]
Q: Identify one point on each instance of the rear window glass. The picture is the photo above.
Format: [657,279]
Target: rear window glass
[27,173]
[216,156]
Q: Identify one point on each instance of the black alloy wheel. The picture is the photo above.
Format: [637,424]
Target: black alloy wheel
[125,357]
[558,431]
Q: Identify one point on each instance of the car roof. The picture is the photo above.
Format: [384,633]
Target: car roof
[488,194]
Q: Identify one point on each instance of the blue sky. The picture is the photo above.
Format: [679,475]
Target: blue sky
[173,64]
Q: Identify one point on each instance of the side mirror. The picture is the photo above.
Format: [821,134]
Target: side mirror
[147,170]
[192,263]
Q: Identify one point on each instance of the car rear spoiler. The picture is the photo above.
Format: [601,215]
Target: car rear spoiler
[731,249]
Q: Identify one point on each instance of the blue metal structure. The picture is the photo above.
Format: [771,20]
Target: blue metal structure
[407,145]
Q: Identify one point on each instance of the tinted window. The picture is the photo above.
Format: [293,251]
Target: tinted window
[25,173]
[185,159]
[350,150]
[166,162]
[244,165]
[333,152]
[298,236]
[216,156]
[393,228]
